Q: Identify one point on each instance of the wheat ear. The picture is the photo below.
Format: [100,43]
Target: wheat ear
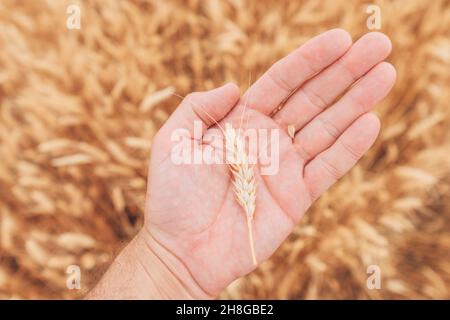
[243,179]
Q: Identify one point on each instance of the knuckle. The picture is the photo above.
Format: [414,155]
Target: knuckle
[354,155]
[330,128]
[332,170]
[315,98]
[278,80]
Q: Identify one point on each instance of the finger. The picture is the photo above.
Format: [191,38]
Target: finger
[205,108]
[318,93]
[323,130]
[333,163]
[266,94]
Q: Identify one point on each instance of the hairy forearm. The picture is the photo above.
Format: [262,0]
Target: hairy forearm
[145,270]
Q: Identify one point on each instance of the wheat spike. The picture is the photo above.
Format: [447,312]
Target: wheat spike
[243,179]
[243,176]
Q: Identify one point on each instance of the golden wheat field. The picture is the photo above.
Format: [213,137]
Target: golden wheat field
[79,108]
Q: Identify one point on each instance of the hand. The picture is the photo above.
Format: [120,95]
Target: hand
[191,210]
[193,221]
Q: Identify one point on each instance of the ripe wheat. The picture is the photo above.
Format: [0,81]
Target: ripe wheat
[243,179]
[243,175]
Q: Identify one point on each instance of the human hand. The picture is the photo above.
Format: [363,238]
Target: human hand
[194,223]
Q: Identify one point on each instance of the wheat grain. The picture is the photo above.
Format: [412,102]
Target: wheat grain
[291,131]
[243,179]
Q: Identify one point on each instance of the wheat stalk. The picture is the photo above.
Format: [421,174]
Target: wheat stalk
[243,176]
[243,179]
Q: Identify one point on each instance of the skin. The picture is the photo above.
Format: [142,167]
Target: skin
[195,239]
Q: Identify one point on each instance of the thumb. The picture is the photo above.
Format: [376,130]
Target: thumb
[207,107]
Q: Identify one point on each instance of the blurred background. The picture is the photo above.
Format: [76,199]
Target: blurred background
[79,108]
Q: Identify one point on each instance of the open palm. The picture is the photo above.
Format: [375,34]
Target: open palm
[191,209]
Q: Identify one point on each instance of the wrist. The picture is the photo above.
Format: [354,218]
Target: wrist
[145,270]
[166,271]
